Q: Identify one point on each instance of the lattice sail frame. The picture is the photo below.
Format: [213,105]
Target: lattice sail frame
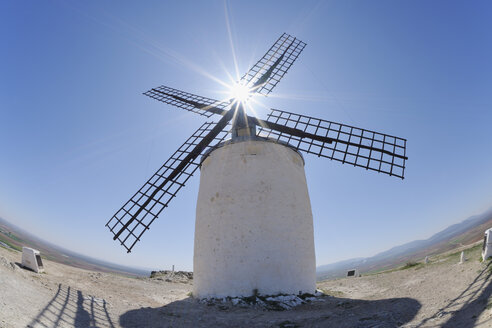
[285,50]
[191,102]
[136,229]
[360,147]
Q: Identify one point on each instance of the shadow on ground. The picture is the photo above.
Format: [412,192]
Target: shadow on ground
[70,308]
[330,312]
[463,311]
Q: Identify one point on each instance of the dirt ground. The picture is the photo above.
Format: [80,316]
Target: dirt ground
[442,293]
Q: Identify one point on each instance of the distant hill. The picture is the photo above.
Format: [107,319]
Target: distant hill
[464,233]
[14,237]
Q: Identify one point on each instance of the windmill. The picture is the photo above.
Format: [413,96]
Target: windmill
[254,225]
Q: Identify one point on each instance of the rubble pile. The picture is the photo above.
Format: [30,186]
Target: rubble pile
[267,302]
[172,276]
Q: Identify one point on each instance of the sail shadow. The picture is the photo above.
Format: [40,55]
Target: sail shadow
[70,308]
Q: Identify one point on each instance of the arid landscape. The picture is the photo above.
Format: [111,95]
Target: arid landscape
[13,237]
[278,164]
[442,293]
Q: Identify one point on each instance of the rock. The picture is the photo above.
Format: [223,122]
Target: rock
[236,301]
[9,265]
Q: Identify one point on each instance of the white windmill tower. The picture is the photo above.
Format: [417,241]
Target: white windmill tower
[254,226]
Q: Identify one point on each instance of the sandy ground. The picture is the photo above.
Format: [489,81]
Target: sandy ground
[442,293]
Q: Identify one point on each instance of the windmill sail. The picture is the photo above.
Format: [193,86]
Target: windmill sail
[347,144]
[136,216]
[270,69]
[193,103]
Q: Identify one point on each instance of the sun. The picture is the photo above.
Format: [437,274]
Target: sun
[240,92]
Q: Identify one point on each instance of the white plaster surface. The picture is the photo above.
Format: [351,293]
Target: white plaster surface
[29,259]
[254,225]
[487,247]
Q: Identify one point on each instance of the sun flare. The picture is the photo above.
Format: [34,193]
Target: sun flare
[240,92]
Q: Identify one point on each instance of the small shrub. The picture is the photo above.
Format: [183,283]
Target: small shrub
[409,265]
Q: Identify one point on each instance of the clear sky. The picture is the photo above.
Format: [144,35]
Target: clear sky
[78,138]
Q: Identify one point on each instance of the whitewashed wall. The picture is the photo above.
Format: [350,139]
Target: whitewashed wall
[254,225]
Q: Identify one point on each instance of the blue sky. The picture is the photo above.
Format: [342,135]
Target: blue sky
[77,137]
